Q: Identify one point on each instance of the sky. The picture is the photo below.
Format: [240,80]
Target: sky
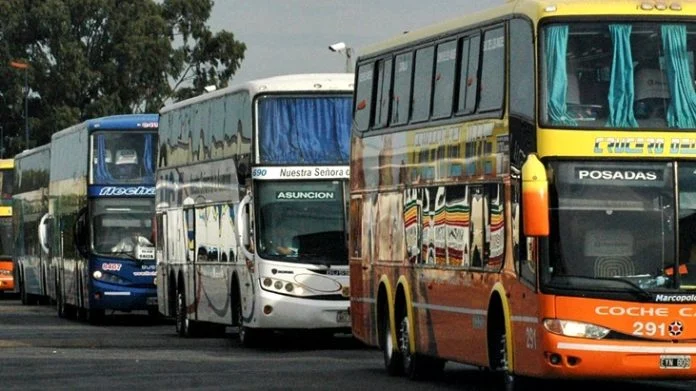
[293,36]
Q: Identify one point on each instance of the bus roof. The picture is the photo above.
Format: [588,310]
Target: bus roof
[124,121]
[121,121]
[534,9]
[326,82]
[32,151]
[6,163]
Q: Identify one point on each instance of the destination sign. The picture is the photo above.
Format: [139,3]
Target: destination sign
[301,172]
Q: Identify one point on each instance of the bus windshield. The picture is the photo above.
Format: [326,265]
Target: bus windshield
[121,224]
[618,74]
[302,221]
[123,157]
[616,227]
[5,236]
[6,186]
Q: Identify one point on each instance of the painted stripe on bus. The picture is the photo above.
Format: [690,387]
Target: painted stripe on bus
[626,348]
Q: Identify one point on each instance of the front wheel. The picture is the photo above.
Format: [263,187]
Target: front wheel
[248,337]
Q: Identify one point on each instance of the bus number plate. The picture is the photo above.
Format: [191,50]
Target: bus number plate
[675,362]
[343,317]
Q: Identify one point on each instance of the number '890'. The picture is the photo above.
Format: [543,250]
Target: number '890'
[258,172]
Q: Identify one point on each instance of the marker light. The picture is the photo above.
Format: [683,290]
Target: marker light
[660,6]
[571,328]
[675,7]
[645,6]
[551,8]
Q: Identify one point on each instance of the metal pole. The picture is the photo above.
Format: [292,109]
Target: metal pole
[349,60]
[26,108]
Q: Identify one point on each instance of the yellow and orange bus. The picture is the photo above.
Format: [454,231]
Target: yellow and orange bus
[6,186]
[523,192]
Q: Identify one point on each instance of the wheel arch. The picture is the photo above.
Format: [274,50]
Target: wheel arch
[499,320]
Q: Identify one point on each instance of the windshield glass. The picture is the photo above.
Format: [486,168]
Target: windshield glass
[6,236]
[618,75]
[120,224]
[6,187]
[615,227]
[122,157]
[313,129]
[302,221]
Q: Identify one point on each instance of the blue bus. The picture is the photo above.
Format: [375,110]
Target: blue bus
[99,231]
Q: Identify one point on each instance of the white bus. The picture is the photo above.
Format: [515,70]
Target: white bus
[251,207]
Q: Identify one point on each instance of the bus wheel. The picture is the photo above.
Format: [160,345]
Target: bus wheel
[60,305]
[22,291]
[95,316]
[416,366]
[183,326]
[393,360]
[248,337]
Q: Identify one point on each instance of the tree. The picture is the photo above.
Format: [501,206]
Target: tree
[90,58]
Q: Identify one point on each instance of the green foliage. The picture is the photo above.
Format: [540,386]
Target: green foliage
[90,58]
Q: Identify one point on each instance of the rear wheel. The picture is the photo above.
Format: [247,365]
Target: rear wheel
[393,360]
[416,366]
[182,321]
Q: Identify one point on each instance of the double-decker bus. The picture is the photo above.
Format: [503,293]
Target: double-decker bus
[7,280]
[523,192]
[30,202]
[251,207]
[98,230]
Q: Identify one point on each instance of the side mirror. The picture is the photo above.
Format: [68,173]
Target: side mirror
[535,198]
[80,233]
[45,233]
[242,223]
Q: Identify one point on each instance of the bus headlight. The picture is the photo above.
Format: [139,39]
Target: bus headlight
[97,274]
[570,328]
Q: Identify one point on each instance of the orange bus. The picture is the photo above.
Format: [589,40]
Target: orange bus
[6,186]
[523,192]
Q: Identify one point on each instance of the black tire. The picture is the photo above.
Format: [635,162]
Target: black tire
[185,327]
[248,337]
[95,316]
[416,366]
[22,291]
[393,360]
[60,305]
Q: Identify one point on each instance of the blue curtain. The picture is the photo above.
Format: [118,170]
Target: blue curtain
[102,173]
[148,159]
[305,130]
[621,88]
[556,47]
[681,112]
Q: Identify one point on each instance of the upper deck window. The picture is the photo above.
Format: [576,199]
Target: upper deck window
[618,75]
[304,129]
[123,157]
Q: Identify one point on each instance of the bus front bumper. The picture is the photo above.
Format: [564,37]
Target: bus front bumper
[123,298]
[274,311]
[616,359]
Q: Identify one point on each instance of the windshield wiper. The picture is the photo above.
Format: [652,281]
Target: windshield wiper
[638,290]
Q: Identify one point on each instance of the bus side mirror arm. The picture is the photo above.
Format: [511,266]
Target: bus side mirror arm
[44,240]
[243,228]
[535,198]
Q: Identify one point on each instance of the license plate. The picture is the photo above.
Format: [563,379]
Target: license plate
[343,317]
[675,362]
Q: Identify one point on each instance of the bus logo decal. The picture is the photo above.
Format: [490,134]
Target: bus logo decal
[676,328]
[125,191]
